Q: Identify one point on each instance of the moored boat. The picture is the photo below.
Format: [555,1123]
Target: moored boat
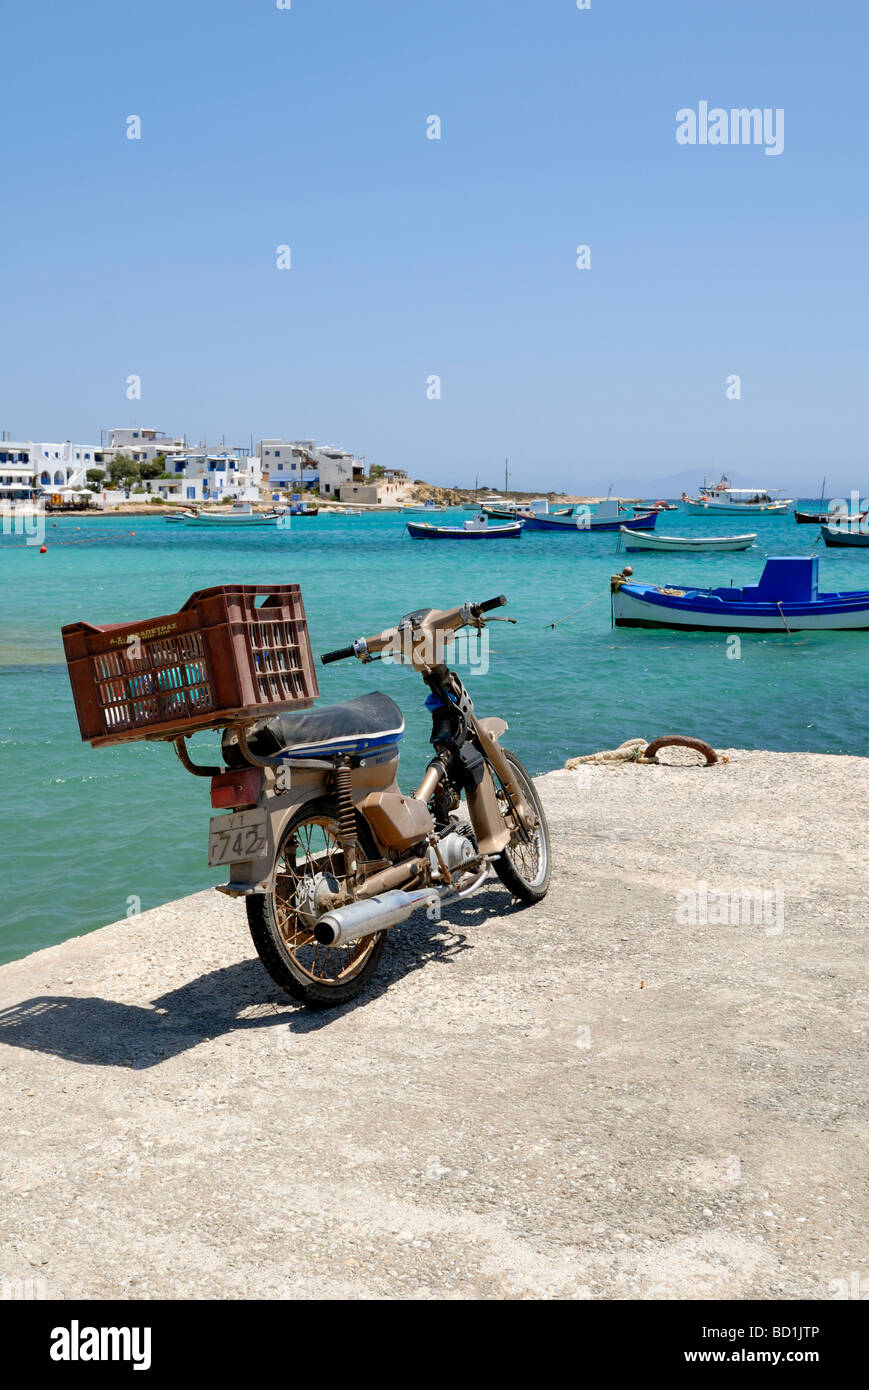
[847,532]
[607,517]
[239,514]
[652,541]
[786,598]
[477,529]
[721,497]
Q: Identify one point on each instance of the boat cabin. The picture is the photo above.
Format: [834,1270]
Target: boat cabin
[785,579]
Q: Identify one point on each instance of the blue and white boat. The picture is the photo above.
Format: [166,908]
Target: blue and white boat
[477,529]
[785,599]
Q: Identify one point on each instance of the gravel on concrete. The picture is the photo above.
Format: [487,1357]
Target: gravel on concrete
[593,1098]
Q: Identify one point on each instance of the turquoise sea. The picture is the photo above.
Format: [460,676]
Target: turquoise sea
[88,834]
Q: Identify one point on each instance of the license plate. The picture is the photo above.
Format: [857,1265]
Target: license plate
[239,836]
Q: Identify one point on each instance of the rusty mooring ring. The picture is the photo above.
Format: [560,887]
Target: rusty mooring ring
[680,741]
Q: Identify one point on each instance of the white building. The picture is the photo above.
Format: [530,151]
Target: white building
[30,469]
[143,445]
[288,463]
[299,463]
[208,475]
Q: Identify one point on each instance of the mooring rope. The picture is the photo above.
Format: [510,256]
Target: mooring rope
[574,611]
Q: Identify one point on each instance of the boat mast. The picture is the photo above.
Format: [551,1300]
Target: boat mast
[506,474]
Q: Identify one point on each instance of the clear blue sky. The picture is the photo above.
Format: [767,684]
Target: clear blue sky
[413,257]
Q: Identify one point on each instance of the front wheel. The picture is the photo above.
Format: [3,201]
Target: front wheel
[310,871]
[524,867]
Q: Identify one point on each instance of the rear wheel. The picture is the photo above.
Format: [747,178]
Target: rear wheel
[524,865]
[310,871]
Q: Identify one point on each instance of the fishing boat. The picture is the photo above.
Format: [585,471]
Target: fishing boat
[652,541]
[785,599]
[607,517]
[832,517]
[178,516]
[239,514]
[505,512]
[721,497]
[851,531]
[302,509]
[659,506]
[477,529]
[813,518]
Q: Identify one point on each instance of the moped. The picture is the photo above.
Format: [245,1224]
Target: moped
[327,851]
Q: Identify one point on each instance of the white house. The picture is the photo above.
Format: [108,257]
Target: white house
[143,445]
[207,475]
[28,468]
[298,463]
[288,463]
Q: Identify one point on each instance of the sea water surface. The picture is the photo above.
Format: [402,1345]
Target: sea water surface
[88,836]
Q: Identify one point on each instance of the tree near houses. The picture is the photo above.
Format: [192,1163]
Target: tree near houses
[96,478]
[153,468]
[123,471]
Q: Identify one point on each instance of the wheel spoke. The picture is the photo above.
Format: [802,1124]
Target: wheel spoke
[312,851]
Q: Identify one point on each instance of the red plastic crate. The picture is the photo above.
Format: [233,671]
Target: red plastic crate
[232,652]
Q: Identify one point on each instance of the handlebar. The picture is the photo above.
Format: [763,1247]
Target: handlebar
[340,655]
[490,603]
[450,620]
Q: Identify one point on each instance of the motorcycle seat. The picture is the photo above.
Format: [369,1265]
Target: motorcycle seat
[353,727]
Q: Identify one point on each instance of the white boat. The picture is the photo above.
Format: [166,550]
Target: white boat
[239,514]
[649,540]
[721,497]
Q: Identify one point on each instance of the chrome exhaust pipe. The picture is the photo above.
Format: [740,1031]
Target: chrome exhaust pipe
[351,923]
[347,924]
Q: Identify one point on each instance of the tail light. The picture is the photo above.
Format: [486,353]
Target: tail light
[238,789]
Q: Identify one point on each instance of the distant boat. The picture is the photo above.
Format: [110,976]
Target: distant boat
[828,517]
[652,541]
[659,506]
[607,517]
[500,513]
[839,535]
[239,514]
[477,529]
[723,498]
[815,518]
[178,516]
[508,511]
[785,599]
